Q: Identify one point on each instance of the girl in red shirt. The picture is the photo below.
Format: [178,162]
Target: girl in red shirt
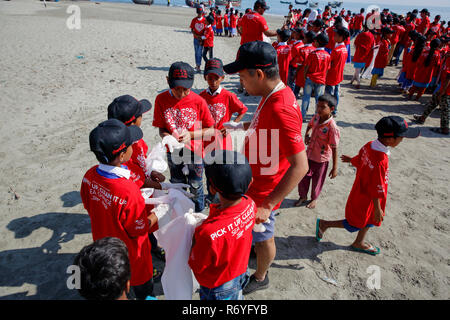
[381,59]
[219,25]
[427,63]
[364,43]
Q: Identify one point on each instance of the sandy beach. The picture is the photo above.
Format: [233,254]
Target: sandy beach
[55,86]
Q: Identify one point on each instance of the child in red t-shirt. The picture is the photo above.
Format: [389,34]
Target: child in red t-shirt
[382,58]
[221,244]
[184,117]
[114,201]
[208,38]
[367,200]
[283,53]
[302,55]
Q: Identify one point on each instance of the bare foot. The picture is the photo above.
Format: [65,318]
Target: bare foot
[312,204]
[321,230]
[299,202]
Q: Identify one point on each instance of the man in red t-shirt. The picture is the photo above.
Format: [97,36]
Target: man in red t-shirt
[197,26]
[273,146]
[254,25]
[366,202]
[221,244]
[335,74]
[114,202]
[424,24]
[184,115]
[316,68]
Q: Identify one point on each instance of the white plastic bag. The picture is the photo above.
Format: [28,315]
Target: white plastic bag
[156,159]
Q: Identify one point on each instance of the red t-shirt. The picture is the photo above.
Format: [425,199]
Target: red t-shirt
[303,54]
[338,58]
[330,32]
[197,25]
[190,113]
[253,26]
[208,33]
[295,52]
[219,22]
[372,176]
[283,58]
[139,155]
[424,25]
[382,55]
[398,33]
[358,22]
[424,73]
[222,244]
[226,21]
[364,43]
[445,75]
[233,21]
[318,63]
[222,106]
[117,209]
[274,134]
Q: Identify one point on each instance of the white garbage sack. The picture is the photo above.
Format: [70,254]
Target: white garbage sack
[156,159]
[175,233]
[367,74]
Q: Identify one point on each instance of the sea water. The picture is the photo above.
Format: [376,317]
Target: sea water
[281,9]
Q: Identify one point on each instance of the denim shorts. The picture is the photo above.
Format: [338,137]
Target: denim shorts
[270,229]
[231,290]
[350,228]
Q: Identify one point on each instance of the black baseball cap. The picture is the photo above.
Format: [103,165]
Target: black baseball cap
[215,66]
[253,55]
[262,4]
[395,126]
[181,74]
[111,137]
[127,108]
[228,171]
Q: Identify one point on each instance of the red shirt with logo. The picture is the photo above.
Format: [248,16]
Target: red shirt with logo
[223,105]
[198,25]
[190,113]
[372,176]
[318,63]
[274,134]
[295,47]
[364,43]
[233,21]
[338,58]
[303,54]
[117,209]
[139,155]
[219,24]
[382,55]
[208,35]
[253,26]
[222,243]
[284,58]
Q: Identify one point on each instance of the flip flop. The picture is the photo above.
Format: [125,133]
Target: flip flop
[317,230]
[368,251]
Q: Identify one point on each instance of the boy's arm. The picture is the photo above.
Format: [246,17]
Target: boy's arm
[378,211]
[333,172]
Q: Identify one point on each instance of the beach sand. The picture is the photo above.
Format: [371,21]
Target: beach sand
[55,86]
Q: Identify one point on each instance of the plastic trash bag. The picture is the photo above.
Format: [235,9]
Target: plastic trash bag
[156,159]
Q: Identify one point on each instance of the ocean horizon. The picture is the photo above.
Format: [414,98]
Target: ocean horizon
[281,9]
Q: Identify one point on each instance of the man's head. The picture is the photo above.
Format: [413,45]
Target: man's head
[392,129]
[128,109]
[309,36]
[214,73]
[283,34]
[260,6]
[228,173]
[180,79]
[199,12]
[111,141]
[341,34]
[257,65]
[104,269]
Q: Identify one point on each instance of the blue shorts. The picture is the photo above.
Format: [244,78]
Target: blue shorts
[231,290]
[359,64]
[270,230]
[378,71]
[420,84]
[350,228]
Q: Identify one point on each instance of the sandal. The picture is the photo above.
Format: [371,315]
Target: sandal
[439,130]
[372,250]
[418,119]
[318,231]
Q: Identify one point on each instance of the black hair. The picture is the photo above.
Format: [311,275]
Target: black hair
[419,45]
[309,36]
[104,269]
[103,158]
[322,39]
[270,73]
[362,10]
[329,99]
[434,44]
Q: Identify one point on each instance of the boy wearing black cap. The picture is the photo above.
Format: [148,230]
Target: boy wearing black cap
[221,244]
[316,68]
[367,200]
[275,130]
[114,202]
[184,115]
[283,53]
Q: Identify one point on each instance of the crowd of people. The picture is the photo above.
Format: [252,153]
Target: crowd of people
[243,186]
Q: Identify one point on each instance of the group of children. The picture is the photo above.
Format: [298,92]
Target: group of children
[120,262]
